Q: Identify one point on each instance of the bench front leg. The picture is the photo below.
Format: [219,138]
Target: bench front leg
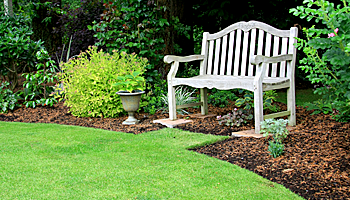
[258,107]
[171,90]
[171,102]
[258,96]
[291,104]
[204,100]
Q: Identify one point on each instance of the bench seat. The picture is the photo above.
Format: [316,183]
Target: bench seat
[224,82]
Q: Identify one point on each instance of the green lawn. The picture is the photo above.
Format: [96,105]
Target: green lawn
[50,161]
[302,96]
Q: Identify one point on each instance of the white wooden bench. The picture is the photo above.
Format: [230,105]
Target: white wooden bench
[248,55]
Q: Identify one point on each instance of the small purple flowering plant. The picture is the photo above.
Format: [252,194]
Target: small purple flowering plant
[238,117]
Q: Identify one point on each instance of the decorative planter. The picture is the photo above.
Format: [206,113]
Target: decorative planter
[131,103]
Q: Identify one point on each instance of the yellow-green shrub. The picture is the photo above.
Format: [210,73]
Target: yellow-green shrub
[87,81]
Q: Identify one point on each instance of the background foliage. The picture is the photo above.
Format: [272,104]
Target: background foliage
[139,27]
[328,58]
[17,49]
[73,24]
[152,29]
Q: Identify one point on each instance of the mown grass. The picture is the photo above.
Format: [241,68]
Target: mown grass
[301,96]
[50,161]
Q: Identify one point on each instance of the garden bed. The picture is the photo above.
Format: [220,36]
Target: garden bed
[315,165]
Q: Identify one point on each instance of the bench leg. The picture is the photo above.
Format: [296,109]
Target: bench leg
[258,108]
[291,105]
[172,102]
[204,100]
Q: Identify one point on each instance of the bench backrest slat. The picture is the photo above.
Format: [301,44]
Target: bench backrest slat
[244,60]
[268,49]
[276,47]
[210,58]
[229,51]
[237,52]
[223,55]
[217,55]
[284,51]
[252,51]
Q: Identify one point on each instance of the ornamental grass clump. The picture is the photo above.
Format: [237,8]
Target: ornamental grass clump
[182,96]
[278,130]
[88,81]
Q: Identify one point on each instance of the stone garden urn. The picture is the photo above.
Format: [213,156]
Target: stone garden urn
[131,103]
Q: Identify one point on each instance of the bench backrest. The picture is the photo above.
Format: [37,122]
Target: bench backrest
[228,52]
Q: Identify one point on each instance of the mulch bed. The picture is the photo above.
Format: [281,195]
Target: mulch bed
[315,165]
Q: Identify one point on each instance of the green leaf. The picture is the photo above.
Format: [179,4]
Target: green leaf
[129,76]
[136,73]
[320,43]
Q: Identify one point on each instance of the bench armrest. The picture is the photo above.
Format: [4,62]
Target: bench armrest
[170,58]
[257,59]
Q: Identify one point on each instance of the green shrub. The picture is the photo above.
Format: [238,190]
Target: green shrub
[36,89]
[131,82]
[268,98]
[16,46]
[220,97]
[8,100]
[275,127]
[278,130]
[319,106]
[88,78]
[327,50]
[154,97]
[276,149]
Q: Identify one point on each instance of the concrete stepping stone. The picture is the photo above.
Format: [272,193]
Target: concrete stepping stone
[251,133]
[172,123]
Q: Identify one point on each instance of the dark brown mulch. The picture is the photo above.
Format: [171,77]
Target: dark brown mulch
[315,165]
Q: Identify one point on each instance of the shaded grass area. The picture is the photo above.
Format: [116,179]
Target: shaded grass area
[302,96]
[50,161]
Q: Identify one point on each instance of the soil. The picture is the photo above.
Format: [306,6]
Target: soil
[315,163]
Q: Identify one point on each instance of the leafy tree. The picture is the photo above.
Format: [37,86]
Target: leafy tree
[44,19]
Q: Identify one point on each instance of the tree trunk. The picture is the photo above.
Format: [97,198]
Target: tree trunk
[12,75]
[182,10]
[8,7]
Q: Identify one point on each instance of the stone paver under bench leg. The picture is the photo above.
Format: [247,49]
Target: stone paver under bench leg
[172,123]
